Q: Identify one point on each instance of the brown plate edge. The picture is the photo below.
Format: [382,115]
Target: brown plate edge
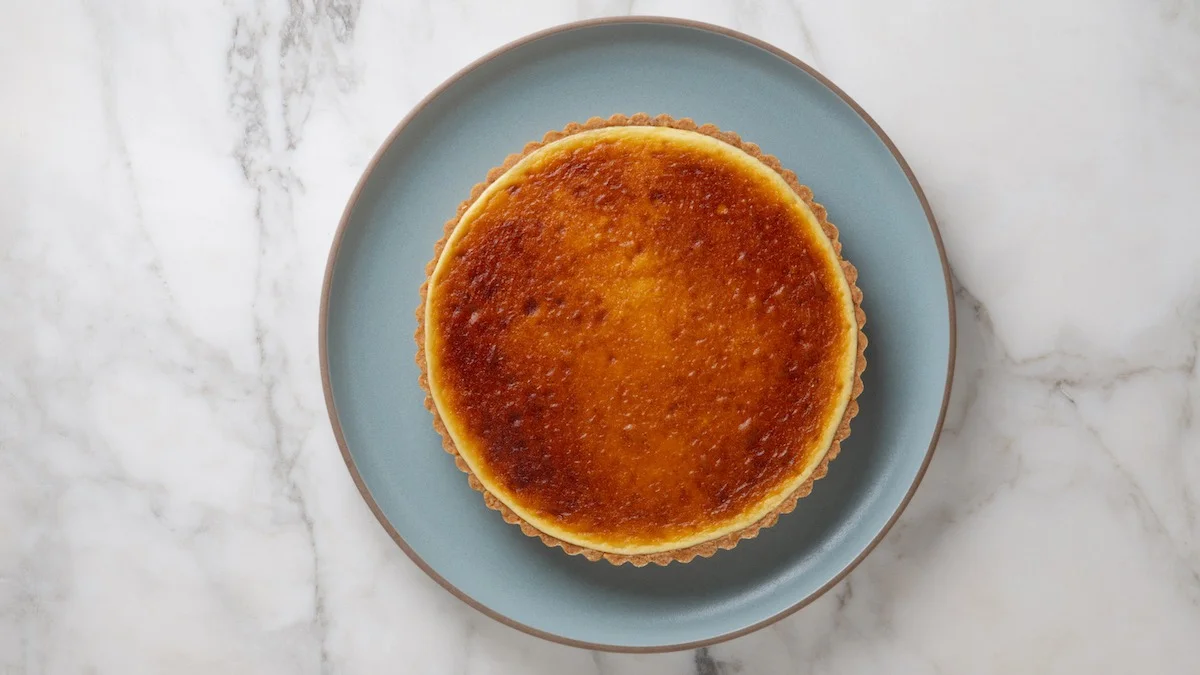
[327,284]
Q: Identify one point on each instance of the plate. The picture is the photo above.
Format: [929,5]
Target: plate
[428,166]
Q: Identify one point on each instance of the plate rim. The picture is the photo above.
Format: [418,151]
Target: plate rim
[327,285]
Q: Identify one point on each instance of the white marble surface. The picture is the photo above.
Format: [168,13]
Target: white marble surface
[171,497]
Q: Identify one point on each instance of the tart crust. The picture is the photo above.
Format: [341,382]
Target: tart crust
[725,541]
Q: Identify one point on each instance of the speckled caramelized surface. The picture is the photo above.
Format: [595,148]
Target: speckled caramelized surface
[638,344]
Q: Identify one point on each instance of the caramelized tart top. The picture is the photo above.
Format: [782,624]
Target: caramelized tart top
[639,339]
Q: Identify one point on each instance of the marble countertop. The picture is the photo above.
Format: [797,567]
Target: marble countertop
[171,496]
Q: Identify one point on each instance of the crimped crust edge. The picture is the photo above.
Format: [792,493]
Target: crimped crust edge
[707,548]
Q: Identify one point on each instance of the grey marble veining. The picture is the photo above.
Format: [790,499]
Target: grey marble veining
[171,496]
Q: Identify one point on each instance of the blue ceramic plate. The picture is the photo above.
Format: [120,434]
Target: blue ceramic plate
[468,126]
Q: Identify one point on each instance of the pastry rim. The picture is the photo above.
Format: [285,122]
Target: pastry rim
[729,540]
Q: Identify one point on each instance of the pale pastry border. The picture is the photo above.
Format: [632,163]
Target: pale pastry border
[726,541]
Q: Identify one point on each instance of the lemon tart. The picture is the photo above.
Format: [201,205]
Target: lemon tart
[640,340]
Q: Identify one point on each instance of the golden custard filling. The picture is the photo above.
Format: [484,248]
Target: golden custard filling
[639,339]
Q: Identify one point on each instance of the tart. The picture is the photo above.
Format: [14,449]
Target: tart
[640,341]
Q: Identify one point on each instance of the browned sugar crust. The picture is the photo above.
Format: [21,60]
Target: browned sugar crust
[614,382]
